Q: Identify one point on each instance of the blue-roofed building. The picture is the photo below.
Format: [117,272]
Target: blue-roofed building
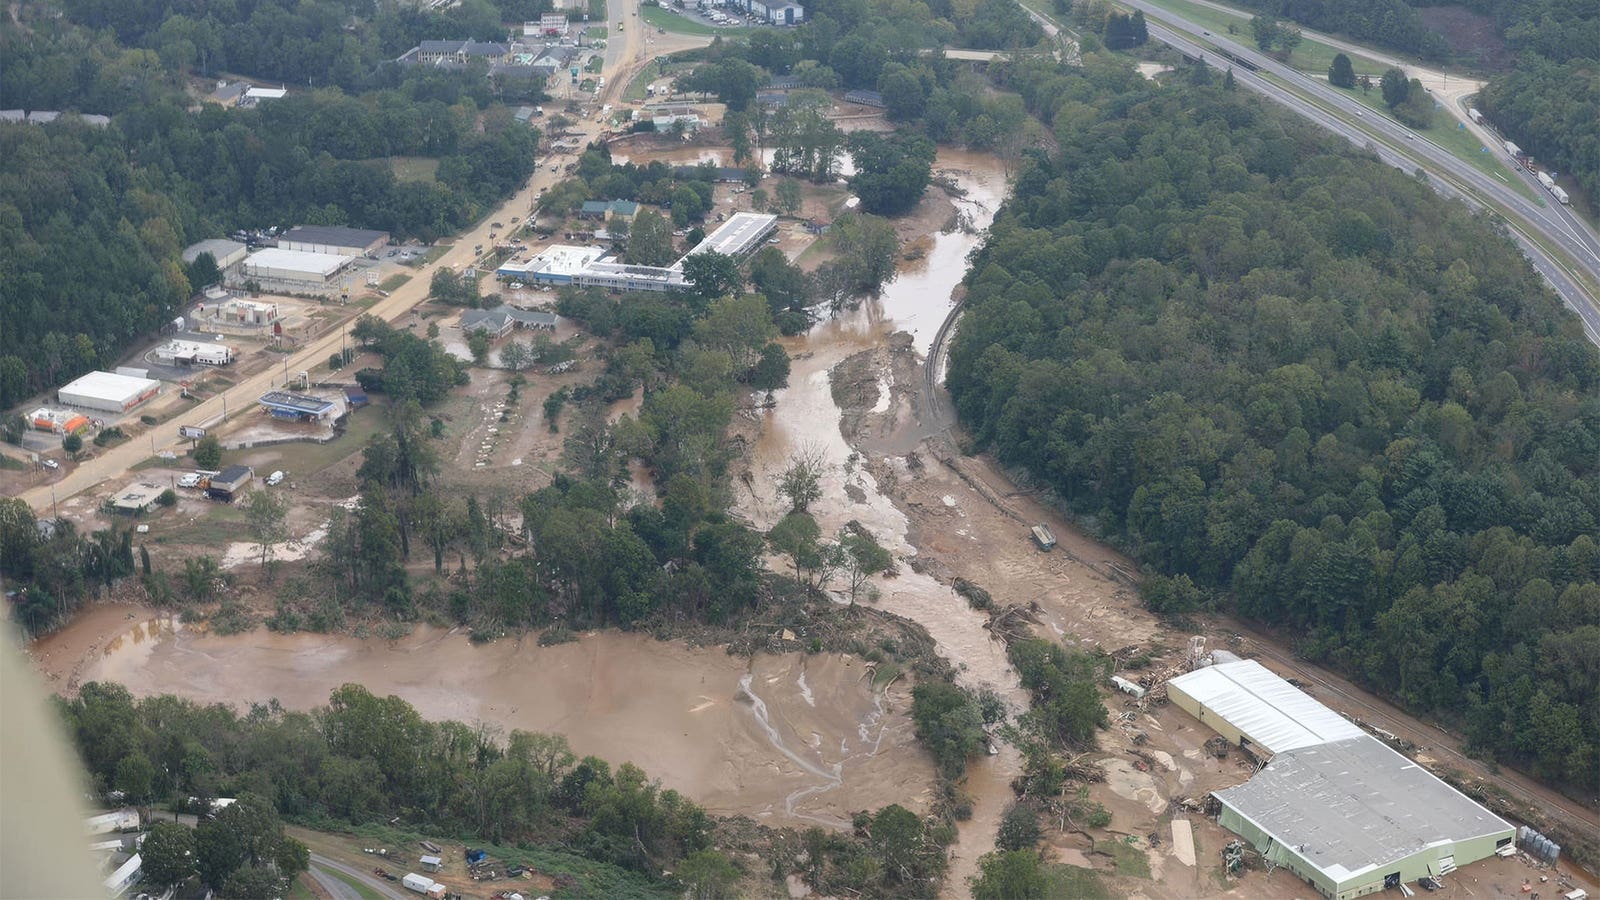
[286,405]
[865,98]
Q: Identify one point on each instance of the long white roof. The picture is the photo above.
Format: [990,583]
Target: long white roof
[1272,712]
[323,264]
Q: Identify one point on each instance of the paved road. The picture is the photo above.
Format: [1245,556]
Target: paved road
[343,891]
[1397,145]
[622,57]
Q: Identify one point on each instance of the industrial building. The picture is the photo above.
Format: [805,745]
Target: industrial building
[1332,804]
[226,253]
[1253,708]
[230,482]
[58,421]
[740,235]
[334,240]
[623,277]
[556,265]
[286,405]
[277,265]
[108,392]
[189,353]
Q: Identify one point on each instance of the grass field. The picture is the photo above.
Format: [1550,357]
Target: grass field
[394,281]
[1130,860]
[661,17]
[1311,56]
[414,168]
[634,93]
[306,459]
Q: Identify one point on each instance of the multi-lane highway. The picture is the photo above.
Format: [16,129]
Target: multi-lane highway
[1571,269]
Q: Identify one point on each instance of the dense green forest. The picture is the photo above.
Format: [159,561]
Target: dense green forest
[1289,378]
[1390,23]
[95,219]
[311,43]
[1549,99]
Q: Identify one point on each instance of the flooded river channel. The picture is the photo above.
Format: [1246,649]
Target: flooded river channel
[786,739]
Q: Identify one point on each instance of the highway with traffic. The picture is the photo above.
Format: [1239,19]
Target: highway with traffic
[1562,247]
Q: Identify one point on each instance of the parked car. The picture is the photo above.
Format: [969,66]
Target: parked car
[517,285]
[190,480]
[275,478]
[51,464]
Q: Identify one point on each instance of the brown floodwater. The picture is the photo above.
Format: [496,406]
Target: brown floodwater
[786,739]
[806,419]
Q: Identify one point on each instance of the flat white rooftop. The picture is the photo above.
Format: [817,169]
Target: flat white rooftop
[564,259]
[1274,713]
[1350,806]
[109,386]
[737,235]
[323,264]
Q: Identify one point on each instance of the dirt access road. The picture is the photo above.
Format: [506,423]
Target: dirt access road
[621,58]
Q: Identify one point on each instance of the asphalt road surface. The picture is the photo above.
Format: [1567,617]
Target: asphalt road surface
[342,891]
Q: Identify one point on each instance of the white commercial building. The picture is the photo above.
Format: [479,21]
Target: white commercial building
[188,353]
[1331,803]
[557,264]
[1252,707]
[108,392]
[276,264]
[741,234]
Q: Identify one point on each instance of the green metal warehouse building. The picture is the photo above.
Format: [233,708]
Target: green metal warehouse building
[1332,804]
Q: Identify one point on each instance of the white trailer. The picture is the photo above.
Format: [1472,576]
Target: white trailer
[1513,150]
[121,820]
[1475,116]
[1546,180]
[419,883]
[1560,195]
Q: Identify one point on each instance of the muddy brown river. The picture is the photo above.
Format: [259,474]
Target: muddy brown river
[790,739]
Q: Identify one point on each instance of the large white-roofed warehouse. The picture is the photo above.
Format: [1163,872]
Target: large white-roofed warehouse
[1332,804]
[276,265]
[108,392]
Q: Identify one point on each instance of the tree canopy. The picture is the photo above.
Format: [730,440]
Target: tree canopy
[1263,362]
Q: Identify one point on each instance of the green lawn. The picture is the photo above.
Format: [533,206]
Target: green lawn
[414,168]
[661,17]
[634,93]
[394,281]
[1311,56]
[1072,881]
[1131,861]
[305,459]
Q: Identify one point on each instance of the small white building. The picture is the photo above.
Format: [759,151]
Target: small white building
[189,353]
[277,265]
[108,392]
[255,94]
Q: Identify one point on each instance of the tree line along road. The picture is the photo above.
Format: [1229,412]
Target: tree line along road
[1571,274]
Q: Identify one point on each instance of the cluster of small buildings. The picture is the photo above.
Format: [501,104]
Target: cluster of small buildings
[505,62]
[741,235]
[1331,803]
[46,116]
[306,256]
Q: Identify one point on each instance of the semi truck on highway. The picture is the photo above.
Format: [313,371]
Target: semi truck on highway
[1554,189]
[1475,116]
[1512,149]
